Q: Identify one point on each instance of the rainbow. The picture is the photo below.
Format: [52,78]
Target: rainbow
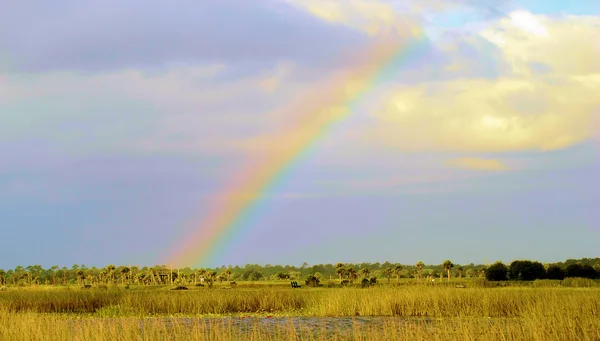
[234,207]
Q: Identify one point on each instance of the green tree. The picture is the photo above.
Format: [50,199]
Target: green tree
[580,270]
[496,272]
[252,275]
[526,270]
[110,271]
[555,272]
[351,273]
[419,267]
[460,271]
[54,269]
[387,272]
[398,272]
[80,277]
[340,269]
[364,272]
[447,265]
[64,271]
[125,274]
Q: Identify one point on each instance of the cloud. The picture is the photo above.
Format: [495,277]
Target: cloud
[471,163]
[526,38]
[113,35]
[521,109]
[371,17]
[467,93]
[275,79]
[404,17]
[185,109]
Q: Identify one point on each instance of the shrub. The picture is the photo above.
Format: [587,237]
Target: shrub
[179,287]
[578,282]
[312,281]
[546,283]
[252,275]
[496,272]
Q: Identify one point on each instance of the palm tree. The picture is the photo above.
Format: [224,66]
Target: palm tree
[419,267]
[447,265]
[388,273]
[110,270]
[64,271]
[397,271]
[142,277]
[460,271]
[54,268]
[340,268]
[124,272]
[210,277]
[351,274]
[364,272]
[2,278]
[80,277]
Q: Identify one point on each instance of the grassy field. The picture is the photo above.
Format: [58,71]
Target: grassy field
[411,311]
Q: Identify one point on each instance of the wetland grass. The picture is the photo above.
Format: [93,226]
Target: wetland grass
[391,312]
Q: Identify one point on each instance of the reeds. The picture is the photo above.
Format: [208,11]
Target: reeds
[408,312]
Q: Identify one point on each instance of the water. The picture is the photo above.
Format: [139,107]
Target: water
[302,325]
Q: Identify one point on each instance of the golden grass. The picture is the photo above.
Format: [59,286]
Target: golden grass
[396,312]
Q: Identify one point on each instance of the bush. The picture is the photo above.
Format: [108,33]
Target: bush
[179,287]
[496,272]
[546,283]
[578,282]
[312,281]
[251,275]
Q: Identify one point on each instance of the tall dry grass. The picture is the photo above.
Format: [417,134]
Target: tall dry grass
[31,326]
[411,312]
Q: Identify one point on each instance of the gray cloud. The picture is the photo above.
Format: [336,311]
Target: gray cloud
[114,34]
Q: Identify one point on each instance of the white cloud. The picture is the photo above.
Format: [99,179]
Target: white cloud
[529,23]
[519,110]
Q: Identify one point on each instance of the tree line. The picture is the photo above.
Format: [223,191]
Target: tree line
[524,270]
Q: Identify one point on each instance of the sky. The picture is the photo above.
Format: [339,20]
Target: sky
[122,124]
